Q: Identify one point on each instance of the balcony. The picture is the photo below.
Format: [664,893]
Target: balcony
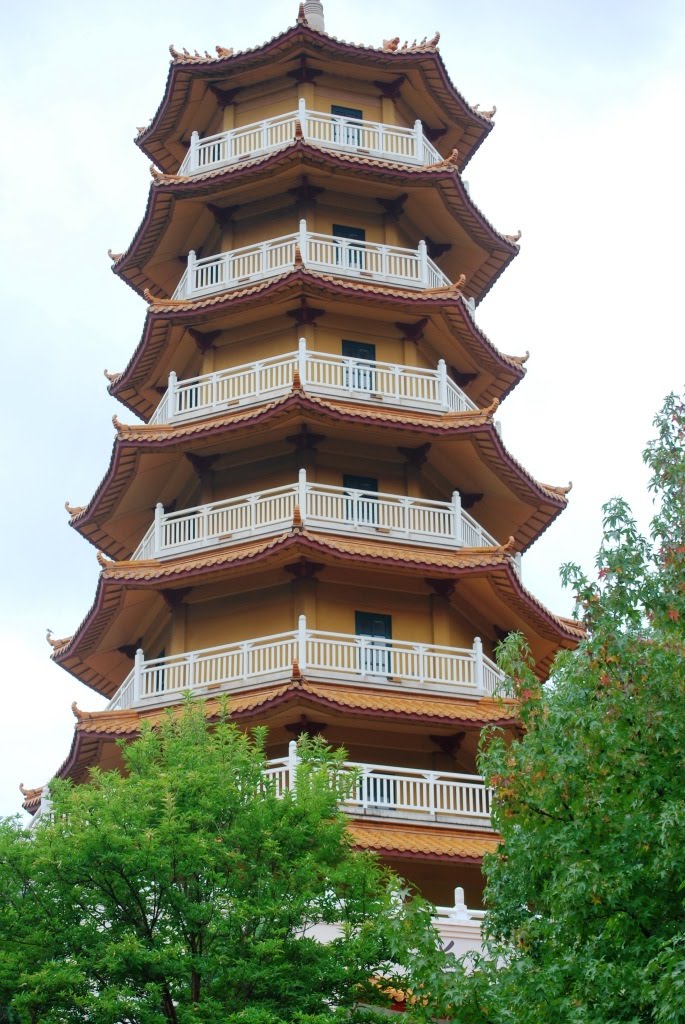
[458,927]
[366,138]
[343,257]
[341,377]
[339,510]
[410,794]
[335,657]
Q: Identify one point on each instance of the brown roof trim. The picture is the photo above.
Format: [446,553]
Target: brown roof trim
[288,44]
[164,191]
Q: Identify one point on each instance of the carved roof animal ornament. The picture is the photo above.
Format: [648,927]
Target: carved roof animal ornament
[223,51]
[55,644]
[111,377]
[390,45]
[514,239]
[114,256]
[74,510]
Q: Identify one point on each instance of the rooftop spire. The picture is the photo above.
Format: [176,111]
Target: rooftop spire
[313,12]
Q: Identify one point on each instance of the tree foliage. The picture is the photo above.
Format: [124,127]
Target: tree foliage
[186,888]
[586,894]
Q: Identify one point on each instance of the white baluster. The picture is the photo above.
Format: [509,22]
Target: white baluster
[363,646]
[194,146]
[517,563]
[302,360]
[442,383]
[302,116]
[418,142]
[421,651]
[478,663]
[458,522]
[302,642]
[159,516]
[302,491]
[431,778]
[423,263]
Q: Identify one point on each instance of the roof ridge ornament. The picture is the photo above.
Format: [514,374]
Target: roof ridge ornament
[487,114]
[514,239]
[56,644]
[74,510]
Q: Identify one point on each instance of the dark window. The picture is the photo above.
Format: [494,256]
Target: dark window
[347,130]
[359,371]
[375,658]
[351,257]
[362,509]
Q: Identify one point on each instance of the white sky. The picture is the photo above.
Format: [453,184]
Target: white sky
[586,157]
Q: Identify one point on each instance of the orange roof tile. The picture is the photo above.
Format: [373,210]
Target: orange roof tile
[420,841]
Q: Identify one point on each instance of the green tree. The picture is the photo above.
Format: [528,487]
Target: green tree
[587,915]
[185,890]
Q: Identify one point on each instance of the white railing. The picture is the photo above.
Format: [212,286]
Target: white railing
[341,377]
[370,261]
[341,510]
[398,792]
[332,131]
[322,655]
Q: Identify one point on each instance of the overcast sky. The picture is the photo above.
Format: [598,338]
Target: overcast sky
[586,158]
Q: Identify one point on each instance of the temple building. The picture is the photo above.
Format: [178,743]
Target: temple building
[308,505]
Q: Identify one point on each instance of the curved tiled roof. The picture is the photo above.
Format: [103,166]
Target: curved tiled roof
[474,427]
[424,61]
[494,566]
[167,189]
[162,316]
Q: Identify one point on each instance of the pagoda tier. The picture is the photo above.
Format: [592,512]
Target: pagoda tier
[411,83]
[229,329]
[405,204]
[217,598]
[424,456]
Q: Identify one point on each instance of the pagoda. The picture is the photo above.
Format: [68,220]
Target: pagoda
[315,514]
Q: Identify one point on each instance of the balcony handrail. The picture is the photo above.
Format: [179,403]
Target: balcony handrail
[338,656]
[399,791]
[332,131]
[388,264]
[323,373]
[328,507]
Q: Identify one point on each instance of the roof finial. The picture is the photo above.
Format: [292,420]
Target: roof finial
[313,12]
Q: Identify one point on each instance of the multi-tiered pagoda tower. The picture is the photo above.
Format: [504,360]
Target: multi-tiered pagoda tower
[317,515]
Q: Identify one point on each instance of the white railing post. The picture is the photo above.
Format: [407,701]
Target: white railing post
[421,651]
[456,505]
[293,761]
[418,142]
[190,671]
[423,263]
[245,650]
[303,241]
[302,360]
[517,563]
[159,515]
[190,274]
[194,147]
[302,643]
[431,777]
[302,494]
[171,395]
[363,655]
[302,116]
[460,910]
[478,663]
[138,661]
[442,383]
